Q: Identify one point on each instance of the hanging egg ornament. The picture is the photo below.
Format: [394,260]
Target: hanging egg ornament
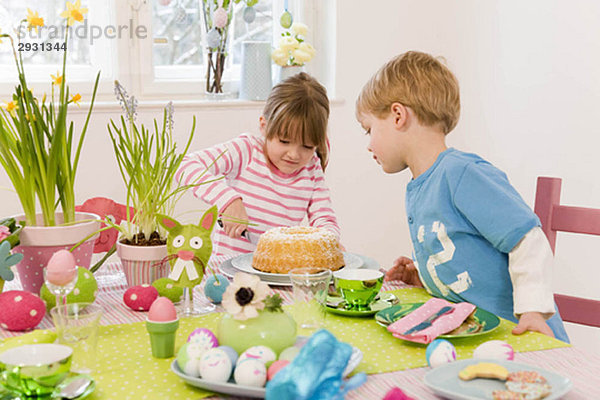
[440,352]
[496,349]
[286,20]
[220,18]
[213,38]
[215,287]
[249,15]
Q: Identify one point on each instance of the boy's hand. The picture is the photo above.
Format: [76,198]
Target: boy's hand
[404,270]
[236,210]
[532,321]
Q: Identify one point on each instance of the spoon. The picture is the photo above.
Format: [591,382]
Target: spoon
[73,388]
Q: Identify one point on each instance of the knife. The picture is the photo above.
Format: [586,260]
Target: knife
[249,236]
[430,320]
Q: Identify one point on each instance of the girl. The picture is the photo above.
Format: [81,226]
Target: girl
[273,180]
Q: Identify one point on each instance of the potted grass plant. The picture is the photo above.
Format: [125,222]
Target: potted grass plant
[148,160]
[39,151]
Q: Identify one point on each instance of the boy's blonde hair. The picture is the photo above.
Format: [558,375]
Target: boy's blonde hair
[298,110]
[416,80]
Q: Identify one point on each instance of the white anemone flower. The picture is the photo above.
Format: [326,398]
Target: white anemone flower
[245,296]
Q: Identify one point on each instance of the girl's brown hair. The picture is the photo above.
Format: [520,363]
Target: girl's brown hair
[298,110]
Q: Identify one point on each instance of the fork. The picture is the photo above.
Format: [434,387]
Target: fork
[430,320]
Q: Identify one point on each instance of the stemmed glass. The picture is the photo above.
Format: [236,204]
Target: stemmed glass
[60,275]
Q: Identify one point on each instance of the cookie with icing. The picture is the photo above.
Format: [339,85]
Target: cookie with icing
[484,370]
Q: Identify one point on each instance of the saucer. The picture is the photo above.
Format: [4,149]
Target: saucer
[337,305]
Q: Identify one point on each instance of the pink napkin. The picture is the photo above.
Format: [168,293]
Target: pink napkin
[441,325]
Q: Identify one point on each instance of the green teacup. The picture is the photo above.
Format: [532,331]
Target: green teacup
[358,287]
[35,369]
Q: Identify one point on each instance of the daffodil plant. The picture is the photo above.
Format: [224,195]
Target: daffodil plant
[292,48]
[38,147]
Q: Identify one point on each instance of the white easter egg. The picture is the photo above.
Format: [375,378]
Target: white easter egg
[496,349]
[215,366]
[261,353]
[250,372]
[440,352]
[189,360]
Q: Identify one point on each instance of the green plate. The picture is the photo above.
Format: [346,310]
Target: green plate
[480,323]
[337,305]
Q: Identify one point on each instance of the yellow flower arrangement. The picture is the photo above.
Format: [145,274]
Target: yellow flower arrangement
[292,48]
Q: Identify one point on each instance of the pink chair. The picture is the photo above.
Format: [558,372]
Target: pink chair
[556,217]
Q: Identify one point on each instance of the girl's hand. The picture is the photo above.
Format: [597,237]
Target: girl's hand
[235,210]
[404,270]
[532,321]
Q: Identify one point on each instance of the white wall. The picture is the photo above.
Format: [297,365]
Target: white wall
[530,81]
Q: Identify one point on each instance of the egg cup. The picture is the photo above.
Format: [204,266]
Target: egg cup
[162,337]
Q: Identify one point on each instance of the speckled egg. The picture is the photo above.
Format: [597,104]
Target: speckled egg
[21,310]
[440,352]
[233,355]
[188,359]
[261,353]
[166,288]
[496,349]
[290,353]
[249,15]
[275,368]
[141,297]
[215,287]
[215,365]
[250,372]
[203,338]
[85,290]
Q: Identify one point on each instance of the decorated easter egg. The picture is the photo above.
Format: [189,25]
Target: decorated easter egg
[496,349]
[213,38]
[440,352]
[162,310]
[261,353]
[286,20]
[21,310]
[233,355]
[215,365]
[141,297]
[215,287]
[249,15]
[290,353]
[166,288]
[85,290]
[275,368]
[203,338]
[250,372]
[188,359]
[220,17]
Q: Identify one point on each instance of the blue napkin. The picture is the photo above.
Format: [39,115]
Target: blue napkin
[316,372]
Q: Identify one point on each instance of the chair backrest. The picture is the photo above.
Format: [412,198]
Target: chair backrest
[556,217]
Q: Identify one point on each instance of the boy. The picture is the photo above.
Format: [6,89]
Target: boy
[474,237]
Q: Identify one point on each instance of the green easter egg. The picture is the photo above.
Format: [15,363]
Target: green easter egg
[286,20]
[167,288]
[84,291]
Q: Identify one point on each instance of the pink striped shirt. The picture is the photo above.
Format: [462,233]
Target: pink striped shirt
[271,197]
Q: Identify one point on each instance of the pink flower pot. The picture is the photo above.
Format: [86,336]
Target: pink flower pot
[143,264]
[39,243]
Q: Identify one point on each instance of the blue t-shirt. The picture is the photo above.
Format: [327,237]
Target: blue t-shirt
[464,218]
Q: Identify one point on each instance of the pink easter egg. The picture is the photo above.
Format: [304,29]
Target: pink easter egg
[162,310]
[61,268]
[140,298]
[275,368]
[496,349]
[21,310]
[220,17]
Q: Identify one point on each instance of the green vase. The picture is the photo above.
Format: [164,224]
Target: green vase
[276,330]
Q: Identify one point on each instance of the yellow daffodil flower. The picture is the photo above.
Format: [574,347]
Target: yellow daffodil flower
[75,99]
[11,108]
[34,20]
[74,12]
[56,79]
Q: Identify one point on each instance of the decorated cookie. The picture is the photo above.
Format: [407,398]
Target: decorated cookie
[275,368]
[85,290]
[440,352]
[21,310]
[166,288]
[496,349]
[483,370]
[260,353]
[529,390]
[250,372]
[506,395]
[233,355]
[203,338]
[289,354]
[526,376]
[215,287]
[141,297]
[215,365]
